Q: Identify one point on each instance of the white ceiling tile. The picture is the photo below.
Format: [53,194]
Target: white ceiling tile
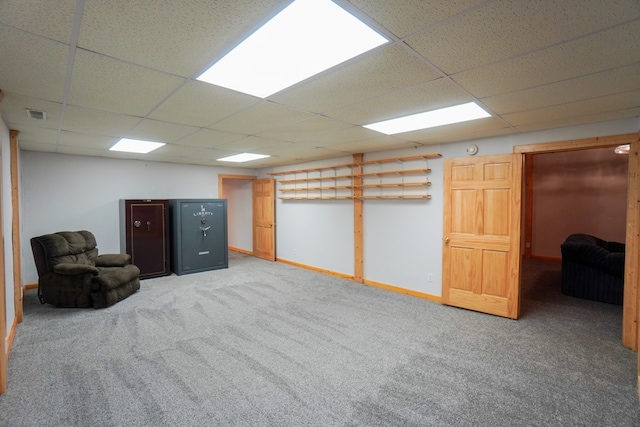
[32,134]
[261,117]
[586,107]
[201,104]
[79,139]
[177,37]
[13,109]
[107,84]
[32,66]
[155,130]
[371,145]
[95,121]
[183,151]
[573,121]
[207,138]
[350,134]
[608,49]
[51,19]
[405,17]
[250,144]
[305,129]
[459,131]
[386,70]
[591,86]
[81,151]
[37,146]
[429,96]
[507,28]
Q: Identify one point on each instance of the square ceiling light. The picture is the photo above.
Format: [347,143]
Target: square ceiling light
[304,39]
[135,146]
[243,157]
[429,119]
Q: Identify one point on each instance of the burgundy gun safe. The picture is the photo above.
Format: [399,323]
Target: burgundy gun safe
[145,235]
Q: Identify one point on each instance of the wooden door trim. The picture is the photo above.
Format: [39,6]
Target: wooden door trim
[631,304]
[222,179]
[227,177]
[15,225]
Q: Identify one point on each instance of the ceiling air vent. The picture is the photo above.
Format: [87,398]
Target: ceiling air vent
[38,115]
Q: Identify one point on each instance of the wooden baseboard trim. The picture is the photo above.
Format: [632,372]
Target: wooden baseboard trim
[404,291]
[30,286]
[366,282]
[12,333]
[242,251]
[319,270]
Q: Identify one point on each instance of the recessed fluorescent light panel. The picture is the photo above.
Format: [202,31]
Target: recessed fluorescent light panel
[136,146]
[429,119]
[244,157]
[304,39]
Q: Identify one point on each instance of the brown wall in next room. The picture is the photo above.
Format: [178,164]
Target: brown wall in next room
[577,192]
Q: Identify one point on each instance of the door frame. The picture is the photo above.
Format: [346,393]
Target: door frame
[632,258]
[222,180]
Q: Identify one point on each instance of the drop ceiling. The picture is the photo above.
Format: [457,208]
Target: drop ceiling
[105,69]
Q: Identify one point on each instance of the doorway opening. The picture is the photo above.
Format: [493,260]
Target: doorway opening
[632,226]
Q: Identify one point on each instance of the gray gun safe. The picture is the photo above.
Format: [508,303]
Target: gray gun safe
[198,235]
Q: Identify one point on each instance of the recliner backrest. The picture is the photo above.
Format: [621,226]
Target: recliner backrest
[75,247]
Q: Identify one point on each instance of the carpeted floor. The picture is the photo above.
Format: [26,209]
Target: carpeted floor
[267,344]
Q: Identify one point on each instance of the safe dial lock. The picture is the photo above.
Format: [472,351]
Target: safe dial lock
[203,220]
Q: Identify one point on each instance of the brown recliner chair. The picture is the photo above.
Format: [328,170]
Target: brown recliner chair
[72,274]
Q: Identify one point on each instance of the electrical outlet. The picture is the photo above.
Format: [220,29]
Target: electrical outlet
[430,277]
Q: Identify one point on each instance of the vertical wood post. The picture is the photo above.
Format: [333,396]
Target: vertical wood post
[358,208]
[528,205]
[3,311]
[632,253]
[15,207]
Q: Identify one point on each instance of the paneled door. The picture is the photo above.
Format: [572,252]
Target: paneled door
[482,217]
[264,219]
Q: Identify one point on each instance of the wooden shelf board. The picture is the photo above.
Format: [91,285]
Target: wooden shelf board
[395,185]
[402,159]
[318,178]
[400,196]
[324,168]
[351,165]
[332,187]
[317,198]
[397,172]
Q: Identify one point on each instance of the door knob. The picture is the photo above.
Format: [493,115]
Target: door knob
[446,240]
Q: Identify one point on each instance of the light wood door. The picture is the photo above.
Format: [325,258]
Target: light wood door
[482,217]
[264,219]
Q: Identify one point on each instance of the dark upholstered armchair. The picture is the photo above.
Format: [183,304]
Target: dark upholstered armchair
[72,274]
[593,268]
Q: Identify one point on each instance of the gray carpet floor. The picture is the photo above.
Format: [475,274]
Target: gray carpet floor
[267,344]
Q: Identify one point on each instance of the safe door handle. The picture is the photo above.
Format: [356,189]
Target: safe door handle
[204,230]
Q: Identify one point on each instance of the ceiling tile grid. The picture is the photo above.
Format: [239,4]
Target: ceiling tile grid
[39,17]
[533,64]
[509,28]
[31,65]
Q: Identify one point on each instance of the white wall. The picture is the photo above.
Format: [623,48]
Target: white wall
[63,192]
[6,207]
[402,238]
[239,195]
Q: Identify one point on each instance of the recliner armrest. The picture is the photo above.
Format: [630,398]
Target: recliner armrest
[113,260]
[69,269]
